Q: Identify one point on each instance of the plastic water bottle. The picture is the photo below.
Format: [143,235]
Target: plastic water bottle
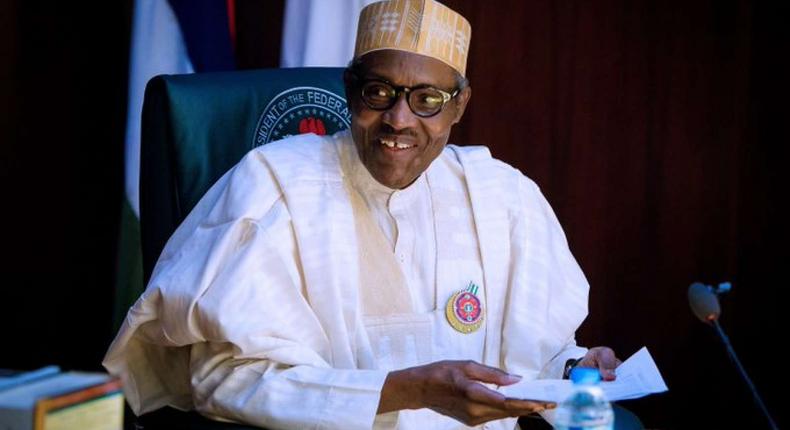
[586,408]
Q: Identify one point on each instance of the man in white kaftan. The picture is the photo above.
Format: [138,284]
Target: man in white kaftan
[309,287]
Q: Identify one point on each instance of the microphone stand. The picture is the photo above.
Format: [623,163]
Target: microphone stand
[734,358]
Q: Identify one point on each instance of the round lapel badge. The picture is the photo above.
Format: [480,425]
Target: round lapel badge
[464,310]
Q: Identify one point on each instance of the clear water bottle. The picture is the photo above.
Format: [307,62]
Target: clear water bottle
[586,408]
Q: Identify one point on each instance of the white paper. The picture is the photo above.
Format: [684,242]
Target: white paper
[637,376]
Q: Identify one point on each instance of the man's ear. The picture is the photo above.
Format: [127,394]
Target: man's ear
[460,102]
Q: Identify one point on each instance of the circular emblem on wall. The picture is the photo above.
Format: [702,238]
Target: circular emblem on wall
[301,110]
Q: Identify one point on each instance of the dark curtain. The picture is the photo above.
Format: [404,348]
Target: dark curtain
[63,74]
[655,131]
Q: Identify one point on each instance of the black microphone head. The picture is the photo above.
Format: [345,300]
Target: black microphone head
[704,302]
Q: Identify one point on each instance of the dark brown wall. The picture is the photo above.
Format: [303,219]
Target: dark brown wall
[655,130]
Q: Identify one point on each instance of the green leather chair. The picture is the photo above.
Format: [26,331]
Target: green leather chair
[194,128]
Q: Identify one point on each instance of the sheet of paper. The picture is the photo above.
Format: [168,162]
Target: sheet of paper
[637,376]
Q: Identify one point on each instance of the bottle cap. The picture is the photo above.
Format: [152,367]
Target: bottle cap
[585,376]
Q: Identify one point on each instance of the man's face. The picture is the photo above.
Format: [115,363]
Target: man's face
[424,138]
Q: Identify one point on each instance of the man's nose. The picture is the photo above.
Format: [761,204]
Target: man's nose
[399,116]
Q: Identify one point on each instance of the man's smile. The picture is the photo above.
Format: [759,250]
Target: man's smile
[394,144]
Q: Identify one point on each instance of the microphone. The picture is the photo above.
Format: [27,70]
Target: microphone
[704,301]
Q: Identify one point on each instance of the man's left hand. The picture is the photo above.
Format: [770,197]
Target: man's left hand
[603,359]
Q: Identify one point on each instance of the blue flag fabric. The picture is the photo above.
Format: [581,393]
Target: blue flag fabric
[206,30]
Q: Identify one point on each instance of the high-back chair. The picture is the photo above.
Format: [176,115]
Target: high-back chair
[196,127]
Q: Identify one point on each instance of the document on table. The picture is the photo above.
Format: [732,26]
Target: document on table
[637,376]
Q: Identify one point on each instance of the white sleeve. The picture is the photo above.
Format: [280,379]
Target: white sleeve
[548,298]
[556,367]
[272,395]
[266,358]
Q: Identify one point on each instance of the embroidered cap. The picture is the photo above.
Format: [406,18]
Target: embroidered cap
[424,27]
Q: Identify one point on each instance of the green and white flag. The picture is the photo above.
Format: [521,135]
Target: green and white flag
[168,37]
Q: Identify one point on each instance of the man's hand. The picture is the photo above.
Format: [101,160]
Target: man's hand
[603,359]
[455,389]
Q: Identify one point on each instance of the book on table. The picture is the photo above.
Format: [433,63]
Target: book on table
[48,399]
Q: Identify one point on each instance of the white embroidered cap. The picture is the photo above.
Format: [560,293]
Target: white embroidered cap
[424,27]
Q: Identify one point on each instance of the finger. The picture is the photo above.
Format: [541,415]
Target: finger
[479,393]
[473,413]
[605,357]
[526,406]
[489,374]
[480,413]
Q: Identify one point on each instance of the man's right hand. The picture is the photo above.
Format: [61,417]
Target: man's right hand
[455,389]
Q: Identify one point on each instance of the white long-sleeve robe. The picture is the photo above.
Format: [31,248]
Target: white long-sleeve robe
[279,302]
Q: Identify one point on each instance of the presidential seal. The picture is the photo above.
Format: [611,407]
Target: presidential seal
[301,110]
[464,311]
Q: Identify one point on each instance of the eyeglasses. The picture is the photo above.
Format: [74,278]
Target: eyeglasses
[424,100]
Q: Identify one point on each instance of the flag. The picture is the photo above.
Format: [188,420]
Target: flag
[168,37]
[320,33]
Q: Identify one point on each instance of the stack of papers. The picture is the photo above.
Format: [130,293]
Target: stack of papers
[636,377]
